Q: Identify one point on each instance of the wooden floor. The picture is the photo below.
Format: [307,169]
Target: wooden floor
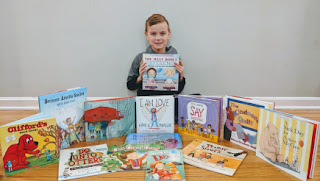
[252,168]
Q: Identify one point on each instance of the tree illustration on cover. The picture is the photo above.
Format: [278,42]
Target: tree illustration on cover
[102,118]
[53,133]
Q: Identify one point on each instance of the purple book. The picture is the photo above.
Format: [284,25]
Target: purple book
[199,117]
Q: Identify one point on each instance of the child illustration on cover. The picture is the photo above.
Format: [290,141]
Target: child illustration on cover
[133,158]
[152,74]
[48,154]
[64,143]
[9,165]
[158,170]
[192,153]
[183,125]
[169,84]
[154,119]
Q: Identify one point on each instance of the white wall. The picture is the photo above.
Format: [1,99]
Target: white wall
[247,48]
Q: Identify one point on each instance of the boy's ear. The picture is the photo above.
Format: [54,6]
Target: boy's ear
[146,34]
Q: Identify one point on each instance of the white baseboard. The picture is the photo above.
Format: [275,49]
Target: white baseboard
[297,103]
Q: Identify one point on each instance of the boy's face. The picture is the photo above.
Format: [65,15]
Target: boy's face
[158,36]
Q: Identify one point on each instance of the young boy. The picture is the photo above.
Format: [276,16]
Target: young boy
[157,32]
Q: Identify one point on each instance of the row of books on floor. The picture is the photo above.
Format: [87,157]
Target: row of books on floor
[159,160]
[66,118]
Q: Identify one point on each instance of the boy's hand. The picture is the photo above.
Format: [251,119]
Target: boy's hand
[180,69]
[142,69]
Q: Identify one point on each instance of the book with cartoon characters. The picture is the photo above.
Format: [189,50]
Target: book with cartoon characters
[128,157]
[67,107]
[241,120]
[109,118]
[168,140]
[82,162]
[165,165]
[213,157]
[161,74]
[288,142]
[199,117]
[29,143]
[155,114]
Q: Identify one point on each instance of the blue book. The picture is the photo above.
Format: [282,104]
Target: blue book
[168,140]
[67,107]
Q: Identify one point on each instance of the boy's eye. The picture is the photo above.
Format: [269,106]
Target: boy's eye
[163,34]
[153,34]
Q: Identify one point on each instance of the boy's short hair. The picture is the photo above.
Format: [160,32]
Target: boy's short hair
[155,19]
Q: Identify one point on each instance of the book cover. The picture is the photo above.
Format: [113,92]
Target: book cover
[155,114]
[128,157]
[167,140]
[199,117]
[109,118]
[241,120]
[82,162]
[287,142]
[29,143]
[213,157]
[68,108]
[220,99]
[165,165]
[161,74]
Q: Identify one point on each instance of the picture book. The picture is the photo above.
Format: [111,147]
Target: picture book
[82,162]
[165,165]
[109,118]
[128,157]
[29,143]
[67,107]
[220,99]
[199,117]
[155,114]
[161,74]
[167,140]
[213,157]
[241,120]
[288,142]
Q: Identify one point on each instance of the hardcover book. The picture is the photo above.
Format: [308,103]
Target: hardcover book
[199,117]
[241,120]
[213,157]
[161,74]
[67,107]
[288,142]
[167,140]
[82,162]
[109,118]
[29,143]
[128,157]
[155,114]
[165,165]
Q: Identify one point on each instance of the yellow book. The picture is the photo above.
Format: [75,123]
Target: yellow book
[29,143]
[288,142]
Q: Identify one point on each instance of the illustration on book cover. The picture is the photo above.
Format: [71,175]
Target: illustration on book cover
[155,114]
[161,73]
[199,117]
[82,162]
[109,118]
[67,108]
[285,142]
[165,165]
[29,145]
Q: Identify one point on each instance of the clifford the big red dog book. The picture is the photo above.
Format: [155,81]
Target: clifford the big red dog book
[29,143]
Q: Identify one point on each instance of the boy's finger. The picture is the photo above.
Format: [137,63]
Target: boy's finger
[180,62]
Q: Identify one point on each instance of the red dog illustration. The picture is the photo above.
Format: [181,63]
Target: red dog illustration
[16,152]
